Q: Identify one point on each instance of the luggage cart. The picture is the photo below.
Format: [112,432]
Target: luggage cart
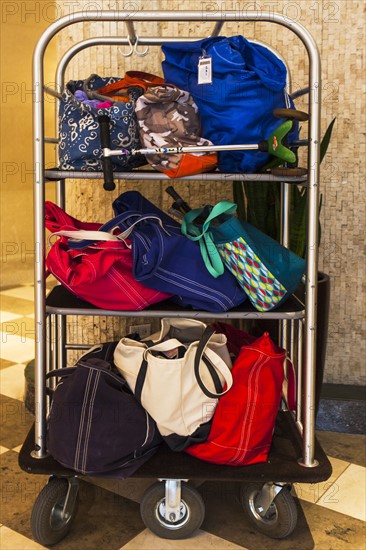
[171,507]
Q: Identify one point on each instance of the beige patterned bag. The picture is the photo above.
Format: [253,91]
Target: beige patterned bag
[168,117]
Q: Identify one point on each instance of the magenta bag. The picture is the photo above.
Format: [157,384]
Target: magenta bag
[101,273]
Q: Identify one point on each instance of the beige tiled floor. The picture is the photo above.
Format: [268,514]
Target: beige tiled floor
[11,540]
[332,513]
[202,541]
[347,494]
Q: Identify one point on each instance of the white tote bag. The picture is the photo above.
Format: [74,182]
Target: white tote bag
[178,375]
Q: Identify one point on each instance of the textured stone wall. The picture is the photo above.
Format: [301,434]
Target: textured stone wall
[338,29]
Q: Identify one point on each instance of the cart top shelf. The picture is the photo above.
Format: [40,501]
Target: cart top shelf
[57,175]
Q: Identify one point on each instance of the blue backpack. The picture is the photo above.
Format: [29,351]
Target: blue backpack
[248,83]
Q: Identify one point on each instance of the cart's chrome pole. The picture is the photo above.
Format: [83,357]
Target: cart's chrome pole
[39,262]
[299,93]
[285,241]
[299,371]
[61,348]
[217,28]
[308,459]
[292,340]
[60,184]
[131,31]
[49,352]
[55,340]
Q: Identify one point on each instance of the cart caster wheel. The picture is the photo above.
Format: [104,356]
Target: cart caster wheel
[280,519]
[48,524]
[192,512]
[287,172]
[291,114]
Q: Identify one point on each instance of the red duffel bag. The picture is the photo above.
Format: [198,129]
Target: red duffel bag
[244,419]
[101,273]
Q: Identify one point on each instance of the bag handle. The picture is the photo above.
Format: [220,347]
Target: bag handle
[60,373]
[209,252]
[83,234]
[121,218]
[83,238]
[215,360]
[132,78]
[91,363]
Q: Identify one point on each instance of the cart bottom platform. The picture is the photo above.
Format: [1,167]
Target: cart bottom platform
[172,508]
[282,464]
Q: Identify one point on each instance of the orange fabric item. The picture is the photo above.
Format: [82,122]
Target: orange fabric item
[193,164]
[131,78]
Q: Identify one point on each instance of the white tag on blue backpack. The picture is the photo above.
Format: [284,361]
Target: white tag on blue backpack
[205,70]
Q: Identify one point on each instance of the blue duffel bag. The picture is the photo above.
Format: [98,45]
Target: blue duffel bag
[248,83]
[166,260]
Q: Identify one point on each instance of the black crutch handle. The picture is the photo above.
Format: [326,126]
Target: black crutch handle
[105,140]
[180,204]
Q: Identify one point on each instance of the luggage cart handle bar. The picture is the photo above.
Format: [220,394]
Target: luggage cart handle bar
[313,162]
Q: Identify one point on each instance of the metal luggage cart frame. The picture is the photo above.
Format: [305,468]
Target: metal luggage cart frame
[174,509]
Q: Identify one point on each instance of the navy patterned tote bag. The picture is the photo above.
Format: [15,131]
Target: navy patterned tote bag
[79,139]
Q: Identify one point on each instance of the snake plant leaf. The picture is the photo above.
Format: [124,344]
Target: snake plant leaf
[298,221]
[326,139]
[256,194]
[258,204]
[239,199]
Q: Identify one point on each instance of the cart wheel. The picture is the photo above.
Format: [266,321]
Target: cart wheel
[192,512]
[48,524]
[281,517]
[286,171]
[291,114]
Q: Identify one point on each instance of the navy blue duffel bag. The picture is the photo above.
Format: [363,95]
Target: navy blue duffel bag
[96,426]
[166,260]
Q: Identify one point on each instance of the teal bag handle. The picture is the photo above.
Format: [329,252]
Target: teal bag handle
[192,231]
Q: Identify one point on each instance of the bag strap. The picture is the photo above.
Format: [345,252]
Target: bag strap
[83,234]
[216,362]
[167,345]
[122,218]
[83,238]
[132,78]
[192,231]
[61,373]
[91,363]
[201,353]
[289,384]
